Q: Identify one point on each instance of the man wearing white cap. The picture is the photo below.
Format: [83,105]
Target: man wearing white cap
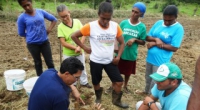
[170,90]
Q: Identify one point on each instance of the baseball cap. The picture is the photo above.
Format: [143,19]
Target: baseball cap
[165,71]
[141,6]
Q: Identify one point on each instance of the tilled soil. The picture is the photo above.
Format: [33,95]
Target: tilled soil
[14,55]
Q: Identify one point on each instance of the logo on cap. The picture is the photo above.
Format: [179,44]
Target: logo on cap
[165,71]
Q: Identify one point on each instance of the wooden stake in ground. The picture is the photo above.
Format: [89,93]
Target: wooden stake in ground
[25,50]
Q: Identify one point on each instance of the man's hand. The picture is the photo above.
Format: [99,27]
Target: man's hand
[147,100]
[80,100]
[76,94]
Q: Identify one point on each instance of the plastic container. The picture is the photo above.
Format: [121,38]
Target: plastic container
[29,84]
[14,79]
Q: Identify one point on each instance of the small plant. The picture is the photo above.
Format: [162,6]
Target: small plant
[83,96]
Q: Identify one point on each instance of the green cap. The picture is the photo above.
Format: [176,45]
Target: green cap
[165,71]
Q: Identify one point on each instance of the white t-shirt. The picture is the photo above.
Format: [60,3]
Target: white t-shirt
[102,40]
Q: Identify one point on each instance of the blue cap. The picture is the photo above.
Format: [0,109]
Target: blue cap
[141,6]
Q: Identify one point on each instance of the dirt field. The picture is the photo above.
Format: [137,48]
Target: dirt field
[13,52]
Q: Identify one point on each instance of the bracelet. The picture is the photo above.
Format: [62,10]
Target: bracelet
[149,104]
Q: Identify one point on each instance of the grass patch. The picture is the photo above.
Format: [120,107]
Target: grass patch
[152,7]
[188,9]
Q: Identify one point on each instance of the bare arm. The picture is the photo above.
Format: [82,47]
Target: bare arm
[160,44]
[141,42]
[83,39]
[75,36]
[78,48]
[121,47]
[53,23]
[120,50]
[67,45]
[169,47]
[150,39]
[144,105]
[131,41]
[76,93]
[194,102]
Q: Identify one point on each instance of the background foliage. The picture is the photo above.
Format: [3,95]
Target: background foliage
[88,8]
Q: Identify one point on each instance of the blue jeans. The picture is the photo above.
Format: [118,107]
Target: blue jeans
[36,50]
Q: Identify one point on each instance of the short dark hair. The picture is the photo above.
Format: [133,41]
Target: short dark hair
[71,65]
[179,80]
[20,1]
[105,7]
[171,10]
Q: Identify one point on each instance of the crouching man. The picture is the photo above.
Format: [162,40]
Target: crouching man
[52,89]
[170,90]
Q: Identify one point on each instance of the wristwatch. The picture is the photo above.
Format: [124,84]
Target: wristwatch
[149,104]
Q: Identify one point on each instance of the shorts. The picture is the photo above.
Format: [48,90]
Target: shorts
[111,70]
[127,67]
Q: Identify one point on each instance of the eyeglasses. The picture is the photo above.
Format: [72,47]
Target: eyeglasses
[76,77]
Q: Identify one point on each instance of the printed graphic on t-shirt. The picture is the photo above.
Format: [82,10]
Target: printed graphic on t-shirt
[130,32]
[165,34]
[106,39]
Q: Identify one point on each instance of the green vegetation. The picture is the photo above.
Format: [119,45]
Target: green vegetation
[85,8]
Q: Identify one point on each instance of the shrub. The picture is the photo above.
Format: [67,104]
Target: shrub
[86,13]
[170,2]
[61,1]
[156,6]
[42,5]
[148,1]
[94,4]
[1,8]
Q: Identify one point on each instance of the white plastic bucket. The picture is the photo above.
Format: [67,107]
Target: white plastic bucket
[14,79]
[29,84]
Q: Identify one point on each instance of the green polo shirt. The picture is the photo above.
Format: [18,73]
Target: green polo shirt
[65,31]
